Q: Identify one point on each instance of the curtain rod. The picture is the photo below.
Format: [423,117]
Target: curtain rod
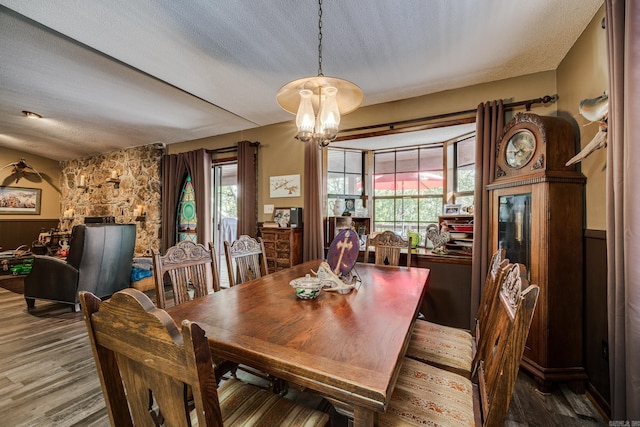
[231,148]
[223,150]
[509,106]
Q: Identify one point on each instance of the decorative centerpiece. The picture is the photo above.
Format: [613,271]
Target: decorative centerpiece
[307,287]
[439,238]
[331,281]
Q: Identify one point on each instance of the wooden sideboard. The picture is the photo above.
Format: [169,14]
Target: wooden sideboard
[283,247]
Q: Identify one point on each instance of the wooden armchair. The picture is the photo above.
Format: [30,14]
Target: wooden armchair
[451,348]
[388,246]
[139,351]
[427,395]
[191,268]
[247,254]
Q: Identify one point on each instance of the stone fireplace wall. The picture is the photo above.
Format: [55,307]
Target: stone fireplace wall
[138,172]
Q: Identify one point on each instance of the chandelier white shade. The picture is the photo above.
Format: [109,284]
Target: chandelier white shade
[318,102]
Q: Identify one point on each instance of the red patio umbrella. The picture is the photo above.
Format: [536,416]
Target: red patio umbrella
[401,182]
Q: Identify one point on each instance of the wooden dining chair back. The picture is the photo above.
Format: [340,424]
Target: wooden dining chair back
[505,339]
[139,351]
[427,395]
[454,349]
[248,255]
[490,290]
[388,246]
[148,366]
[191,268]
[509,275]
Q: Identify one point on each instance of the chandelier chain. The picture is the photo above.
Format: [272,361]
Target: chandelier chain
[320,38]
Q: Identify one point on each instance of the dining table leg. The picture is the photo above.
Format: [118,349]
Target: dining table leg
[363,417]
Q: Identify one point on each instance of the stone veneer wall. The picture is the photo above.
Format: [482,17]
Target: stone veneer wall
[139,172]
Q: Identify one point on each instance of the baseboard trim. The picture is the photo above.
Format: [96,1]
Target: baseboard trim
[595,234]
[599,402]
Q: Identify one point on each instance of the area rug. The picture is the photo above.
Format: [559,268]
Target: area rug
[12,283]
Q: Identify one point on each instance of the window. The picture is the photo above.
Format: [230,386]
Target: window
[407,189]
[409,186]
[461,171]
[344,177]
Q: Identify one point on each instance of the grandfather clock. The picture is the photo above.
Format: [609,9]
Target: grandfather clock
[536,215]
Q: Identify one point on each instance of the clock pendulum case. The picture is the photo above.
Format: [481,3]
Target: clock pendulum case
[536,215]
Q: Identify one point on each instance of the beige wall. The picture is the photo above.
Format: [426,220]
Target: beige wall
[50,184]
[282,154]
[583,74]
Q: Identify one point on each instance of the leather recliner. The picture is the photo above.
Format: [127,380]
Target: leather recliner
[99,261]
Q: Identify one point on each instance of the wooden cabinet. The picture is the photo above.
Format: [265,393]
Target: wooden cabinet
[460,228]
[283,247]
[536,215]
[335,224]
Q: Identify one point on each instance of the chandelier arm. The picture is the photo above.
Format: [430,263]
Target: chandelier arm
[320,38]
[295,97]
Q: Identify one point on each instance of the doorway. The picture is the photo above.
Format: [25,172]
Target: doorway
[225,212]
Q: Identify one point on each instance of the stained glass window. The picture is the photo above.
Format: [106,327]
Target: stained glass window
[187,224]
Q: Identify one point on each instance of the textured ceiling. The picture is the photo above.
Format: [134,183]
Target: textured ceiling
[112,74]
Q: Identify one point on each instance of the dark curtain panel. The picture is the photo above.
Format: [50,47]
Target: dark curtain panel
[247,188]
[623,208]
[175,167]
[312,245]
[489,125]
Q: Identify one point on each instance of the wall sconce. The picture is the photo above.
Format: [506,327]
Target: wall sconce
[140,213]
[113,179]
[82,183]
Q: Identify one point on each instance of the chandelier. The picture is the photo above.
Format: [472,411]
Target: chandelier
[319,101]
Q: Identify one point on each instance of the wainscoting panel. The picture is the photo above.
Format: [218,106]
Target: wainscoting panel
[595,325]
[18,232]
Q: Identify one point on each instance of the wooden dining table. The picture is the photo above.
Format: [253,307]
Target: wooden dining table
[347,348]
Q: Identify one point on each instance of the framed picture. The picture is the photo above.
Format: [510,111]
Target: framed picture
[452,209]
[284,186]
[16,201]
[282,217]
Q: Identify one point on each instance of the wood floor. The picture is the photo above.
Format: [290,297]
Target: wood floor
[48,378]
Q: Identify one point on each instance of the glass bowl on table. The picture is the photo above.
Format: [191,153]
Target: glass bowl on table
[307,287]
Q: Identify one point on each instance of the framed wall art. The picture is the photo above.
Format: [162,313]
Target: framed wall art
[284,186]
[17,201]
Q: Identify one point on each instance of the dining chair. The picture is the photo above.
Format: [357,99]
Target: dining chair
[427,395]
[454,349]
[388,246]
[140,352]
[192,270]
[190,267]
[248,255]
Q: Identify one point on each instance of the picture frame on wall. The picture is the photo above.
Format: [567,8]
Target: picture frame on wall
[284,186]
[282,217]
[20,201]
[452,209]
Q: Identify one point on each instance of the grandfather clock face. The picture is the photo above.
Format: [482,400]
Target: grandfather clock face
[519,149]
[522,147]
